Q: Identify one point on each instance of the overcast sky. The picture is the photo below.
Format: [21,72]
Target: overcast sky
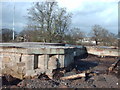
[86,13]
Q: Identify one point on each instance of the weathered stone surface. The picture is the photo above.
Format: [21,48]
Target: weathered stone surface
[53,63]
[41,62]
[61,59]
[6,60]
[17,75]
[29,59]
[14,68]
[15,57]
[30,73]
[21,70]
[100,51]
[21,64]
[10,57]
[0,63]
[46,59]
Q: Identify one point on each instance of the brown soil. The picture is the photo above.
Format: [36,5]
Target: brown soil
[97,76]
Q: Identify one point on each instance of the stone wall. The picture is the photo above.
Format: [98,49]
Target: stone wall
[103,51]
[22,61]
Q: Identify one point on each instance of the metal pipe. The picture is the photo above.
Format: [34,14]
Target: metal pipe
[13,22]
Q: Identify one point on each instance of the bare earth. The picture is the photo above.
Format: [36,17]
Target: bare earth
[97,76]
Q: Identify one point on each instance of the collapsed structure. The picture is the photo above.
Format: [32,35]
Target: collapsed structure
[32,58]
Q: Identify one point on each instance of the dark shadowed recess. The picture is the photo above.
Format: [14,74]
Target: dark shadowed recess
[9,80]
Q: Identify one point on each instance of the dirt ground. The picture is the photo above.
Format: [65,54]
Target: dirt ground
[96,70]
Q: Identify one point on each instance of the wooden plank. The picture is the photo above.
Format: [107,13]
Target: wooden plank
[114,65]
[73,76]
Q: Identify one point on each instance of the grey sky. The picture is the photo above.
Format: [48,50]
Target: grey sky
[86,13]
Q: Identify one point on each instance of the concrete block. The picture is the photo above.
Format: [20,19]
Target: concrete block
[30,73]
[21,70]
[61,59]
[29,60]
[11,57]
[41,62]
[17,75]
[33,58]
[46,60]
[16,57]
[6,60]
[100,51]
[21,64]
[52,63]
[14,68]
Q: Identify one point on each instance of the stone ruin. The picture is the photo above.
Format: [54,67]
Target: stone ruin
[33,58]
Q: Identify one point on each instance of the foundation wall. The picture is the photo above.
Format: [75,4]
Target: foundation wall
[23,61]
[103,51]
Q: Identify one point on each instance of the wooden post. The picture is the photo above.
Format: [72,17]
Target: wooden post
[73,76]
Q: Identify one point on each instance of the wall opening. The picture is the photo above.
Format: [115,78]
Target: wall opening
[35,61]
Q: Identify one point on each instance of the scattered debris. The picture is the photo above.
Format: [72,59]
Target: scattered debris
[87,74]
[114,65]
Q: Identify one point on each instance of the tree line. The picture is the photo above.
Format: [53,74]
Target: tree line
[47,22]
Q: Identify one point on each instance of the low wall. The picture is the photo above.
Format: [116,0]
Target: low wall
[100,51]
[29,59]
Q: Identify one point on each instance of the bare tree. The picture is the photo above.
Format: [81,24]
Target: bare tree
[7,35]
[50,20]
[96,33]
[112,39]
[74,36]
[29,35]
[77,33]
[100,34]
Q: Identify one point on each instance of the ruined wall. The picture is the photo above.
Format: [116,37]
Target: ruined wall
[12,64]
[21,61]
[103,51]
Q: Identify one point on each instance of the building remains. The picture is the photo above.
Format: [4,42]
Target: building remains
[103,51]
[29,59]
